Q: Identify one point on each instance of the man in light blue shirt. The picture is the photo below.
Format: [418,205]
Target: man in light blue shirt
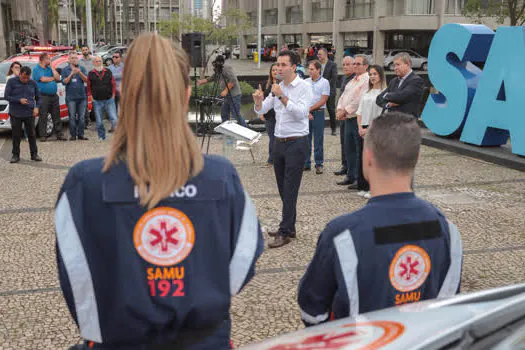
[291,101]
[46,78]
[321,92]
[117,68]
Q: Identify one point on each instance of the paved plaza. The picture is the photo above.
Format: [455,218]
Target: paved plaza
[487,202]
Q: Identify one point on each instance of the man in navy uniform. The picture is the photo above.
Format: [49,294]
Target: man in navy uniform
[397,249]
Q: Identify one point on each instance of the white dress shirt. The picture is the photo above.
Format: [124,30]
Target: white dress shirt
[292,119]
[320,88]
[368,109]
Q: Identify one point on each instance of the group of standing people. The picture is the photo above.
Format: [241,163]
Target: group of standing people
[33,93]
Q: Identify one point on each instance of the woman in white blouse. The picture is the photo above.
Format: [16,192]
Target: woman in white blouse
[367,112]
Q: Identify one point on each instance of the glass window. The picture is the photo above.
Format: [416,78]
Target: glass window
[269,17]
[294,14]
[420,7]
[359,8]
[322,10]
[4,68]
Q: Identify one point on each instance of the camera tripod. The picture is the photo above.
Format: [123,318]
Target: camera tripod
[206,103]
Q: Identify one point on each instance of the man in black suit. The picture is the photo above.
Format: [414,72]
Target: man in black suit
[404,92]
[329,72]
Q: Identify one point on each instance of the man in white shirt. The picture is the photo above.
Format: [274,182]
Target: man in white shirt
[291,100]
[321,91]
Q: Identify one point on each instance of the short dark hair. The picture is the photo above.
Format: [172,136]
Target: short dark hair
[42,56]
[294,57]
[316,63]
[25,70]
[394,138]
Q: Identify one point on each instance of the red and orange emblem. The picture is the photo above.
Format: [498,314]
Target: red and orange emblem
[164,236]
[410,268]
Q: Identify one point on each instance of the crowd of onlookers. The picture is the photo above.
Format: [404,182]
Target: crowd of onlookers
[363,96]
[33,93]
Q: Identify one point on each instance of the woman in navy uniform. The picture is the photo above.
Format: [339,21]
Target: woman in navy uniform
[154,239]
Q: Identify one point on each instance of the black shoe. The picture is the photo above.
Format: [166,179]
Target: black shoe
[279,241]
[307,168]
[43,139]
[318,170]
[334,133]
[14,159]
[111,130]
[72,138]
[36,158]
[353,186]
[340,172]
[276,233]
[345,182]
[61,138]
[83,138]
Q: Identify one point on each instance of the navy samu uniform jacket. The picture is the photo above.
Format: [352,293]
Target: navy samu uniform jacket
[134,278]
[397,249]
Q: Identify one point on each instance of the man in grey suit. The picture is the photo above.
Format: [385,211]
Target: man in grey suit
[329,72]
[404,92]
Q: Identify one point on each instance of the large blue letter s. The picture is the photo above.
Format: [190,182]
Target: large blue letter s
[500,100]
[451,72]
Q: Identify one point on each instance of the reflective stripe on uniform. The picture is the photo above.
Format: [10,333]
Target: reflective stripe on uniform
[346,253]
[75,262]
[313,319]
[245,248]
[453,277]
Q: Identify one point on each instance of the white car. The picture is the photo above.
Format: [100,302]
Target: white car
[418,61]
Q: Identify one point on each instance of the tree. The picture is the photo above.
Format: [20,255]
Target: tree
[499,10]
[125,27]
[136,6]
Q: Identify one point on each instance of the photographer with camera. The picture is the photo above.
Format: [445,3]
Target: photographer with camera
[231,91]
[73,78]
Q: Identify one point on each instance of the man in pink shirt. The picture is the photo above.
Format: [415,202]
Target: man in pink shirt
[346,110]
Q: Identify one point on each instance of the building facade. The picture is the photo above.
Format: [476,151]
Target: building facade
[20,23]
[369,24]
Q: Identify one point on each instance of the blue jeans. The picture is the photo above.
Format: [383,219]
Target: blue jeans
[317,134]
[109,106]
[232,105]
[270,129]
[352,148]
[76,107]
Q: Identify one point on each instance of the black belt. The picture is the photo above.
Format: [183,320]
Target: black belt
[49,95]
[287,139]
[317,110]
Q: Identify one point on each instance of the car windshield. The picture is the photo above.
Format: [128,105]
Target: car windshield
[4,68]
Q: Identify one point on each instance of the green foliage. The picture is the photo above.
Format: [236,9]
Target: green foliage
[207,89]
[237,21]
[499,10]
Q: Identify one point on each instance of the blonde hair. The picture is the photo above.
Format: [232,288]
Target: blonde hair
[153,136]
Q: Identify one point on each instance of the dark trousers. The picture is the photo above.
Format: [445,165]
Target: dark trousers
[342,140]
[49,105]
[288,162]
[117,101]
[16,131]
[362,184]
[232,105]
[270,129]
[317,136]
[330,106]
[352,149]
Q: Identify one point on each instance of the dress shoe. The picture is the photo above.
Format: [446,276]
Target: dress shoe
[111,130]
[345,182]
[307,168]
[14,159]
[340,172]
[43,139]
[72,138]
[279,241]
[83,138]
[276,233]
[36,158]
[61,138]
[353,186]
[318,170]
[334,133]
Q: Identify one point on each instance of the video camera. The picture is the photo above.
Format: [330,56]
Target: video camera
[218,63]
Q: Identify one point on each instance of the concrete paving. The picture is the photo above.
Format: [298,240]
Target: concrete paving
[486,201]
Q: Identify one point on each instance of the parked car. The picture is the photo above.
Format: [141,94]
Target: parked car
[418,61]
[108,57]
[236,51]
[491,319]
[251,48]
